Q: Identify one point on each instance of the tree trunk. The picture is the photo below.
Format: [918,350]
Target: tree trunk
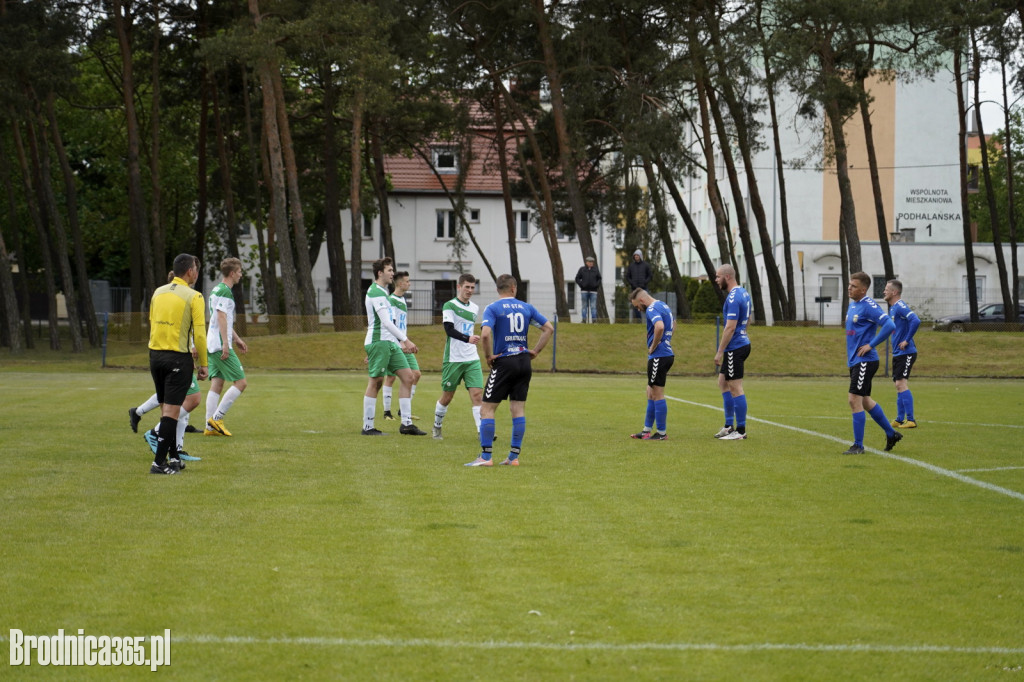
[714,196]
[1011,313]
[159,234]
[776,289]
[876,184]
[506,191]
[71,201]
[847,211]
[380,188]
[229,203]
[9,300]
[780,166]
[356,171]
[965,207]
[332,203]
[255,157]
[566,161]
[305,269]
[16,241]
[45,248]
[661,217]
[986,172]
[743,227]
[696,239]
[58,235]
[202,174]
[136,198]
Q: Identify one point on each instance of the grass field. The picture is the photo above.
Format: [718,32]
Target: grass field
[778,351]
[298,549]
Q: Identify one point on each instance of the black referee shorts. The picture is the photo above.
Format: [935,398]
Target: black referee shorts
[172,375]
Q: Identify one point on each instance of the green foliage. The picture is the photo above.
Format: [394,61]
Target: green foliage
[705,302]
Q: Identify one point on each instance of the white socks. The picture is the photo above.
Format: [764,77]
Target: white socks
[226,402]
[369,412]
[147,406]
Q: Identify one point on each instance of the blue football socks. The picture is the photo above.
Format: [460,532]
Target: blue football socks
[727,403]
[740,405]
[859,420]
[660,414]
[486,437]
[878,414]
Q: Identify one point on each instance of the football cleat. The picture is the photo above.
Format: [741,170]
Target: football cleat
[436,433]
[187,457]
[657,436]
[890,441]
[734,435]
[510,462]
[480,462]
[217,427]
[643,435]
[191,429]
[134,419]
[411,430]
[161,469]
[150,440]
[854,450]
[726,430]
[909,424]
[176,464]
[388,417]
[373,432]
[896,424]
[414,418]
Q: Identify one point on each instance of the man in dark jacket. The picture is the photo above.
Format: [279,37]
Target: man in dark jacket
[638,276]
[588,279]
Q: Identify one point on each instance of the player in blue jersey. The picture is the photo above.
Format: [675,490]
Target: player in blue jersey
[863,317]
[733,351]
[503,331]
[660,325]
[904,352]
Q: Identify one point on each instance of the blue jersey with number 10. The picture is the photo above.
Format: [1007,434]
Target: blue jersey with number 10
[510,319]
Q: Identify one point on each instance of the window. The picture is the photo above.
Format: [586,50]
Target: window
[564,229]
[979,282]
[830,287]
[445,160]
[367,227]
[522,220]
[879,286]
[474,215]
[570,294]
[446,223]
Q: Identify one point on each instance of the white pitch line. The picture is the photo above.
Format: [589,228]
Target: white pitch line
[822,416]
[597,646]
[908,460]
[965,471]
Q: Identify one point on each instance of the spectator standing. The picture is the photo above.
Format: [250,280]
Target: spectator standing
[588,279]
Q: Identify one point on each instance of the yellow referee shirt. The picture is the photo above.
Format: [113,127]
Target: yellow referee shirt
[176,316]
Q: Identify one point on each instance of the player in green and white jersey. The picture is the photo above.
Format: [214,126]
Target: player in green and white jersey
[386,346]
[400,312]
[225,367]
[461,362]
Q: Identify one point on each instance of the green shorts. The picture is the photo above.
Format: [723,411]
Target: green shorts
[452,373]
[194,386]
[384,357]
[228,370]
[413,364]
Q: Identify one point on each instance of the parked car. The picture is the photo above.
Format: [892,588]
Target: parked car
[990,313]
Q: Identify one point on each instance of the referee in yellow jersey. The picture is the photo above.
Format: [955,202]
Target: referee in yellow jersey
[176,316]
